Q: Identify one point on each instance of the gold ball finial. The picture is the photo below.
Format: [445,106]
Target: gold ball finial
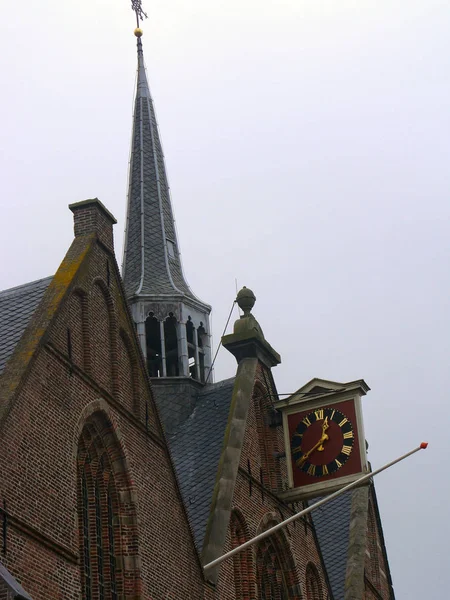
[138,32]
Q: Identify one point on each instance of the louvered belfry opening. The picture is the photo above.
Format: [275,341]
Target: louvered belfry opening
[171,346]
[190,330]
[202,337]
[153,342]
[174,348]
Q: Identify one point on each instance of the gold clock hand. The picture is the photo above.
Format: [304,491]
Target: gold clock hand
[325,426]
[307,454]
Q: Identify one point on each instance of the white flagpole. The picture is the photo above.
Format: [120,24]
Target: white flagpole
[265,534]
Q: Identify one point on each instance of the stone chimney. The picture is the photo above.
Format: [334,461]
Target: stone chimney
[90,216]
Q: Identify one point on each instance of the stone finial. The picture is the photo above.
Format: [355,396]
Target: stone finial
[247,339]
[246,300]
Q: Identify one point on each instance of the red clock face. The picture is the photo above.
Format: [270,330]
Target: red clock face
[324,443]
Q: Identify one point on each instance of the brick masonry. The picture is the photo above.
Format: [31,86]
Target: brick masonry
[76,399]
[256,508]
[88,364]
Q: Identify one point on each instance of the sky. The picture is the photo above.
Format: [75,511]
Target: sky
[307,146]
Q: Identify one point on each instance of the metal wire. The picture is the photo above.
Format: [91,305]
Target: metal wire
[220,343]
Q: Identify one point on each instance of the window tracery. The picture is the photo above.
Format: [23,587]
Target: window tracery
[86,545]
[271,579]
[98,523]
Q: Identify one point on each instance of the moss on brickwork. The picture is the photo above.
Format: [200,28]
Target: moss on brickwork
[32,339]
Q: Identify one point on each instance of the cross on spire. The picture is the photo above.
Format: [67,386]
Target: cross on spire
[136,6]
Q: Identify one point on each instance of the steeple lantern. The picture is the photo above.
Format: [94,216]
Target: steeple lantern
[172,323]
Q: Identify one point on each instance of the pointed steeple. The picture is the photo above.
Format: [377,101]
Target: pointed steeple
[151,262]
[153,276]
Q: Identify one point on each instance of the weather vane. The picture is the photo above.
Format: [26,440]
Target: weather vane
[136,5]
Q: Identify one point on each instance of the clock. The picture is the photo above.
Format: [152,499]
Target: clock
[322,442]
[324,438]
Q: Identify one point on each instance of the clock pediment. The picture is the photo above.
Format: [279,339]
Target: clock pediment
[316,387]
[322,384]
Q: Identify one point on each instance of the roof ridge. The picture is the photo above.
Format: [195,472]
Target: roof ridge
[23,286]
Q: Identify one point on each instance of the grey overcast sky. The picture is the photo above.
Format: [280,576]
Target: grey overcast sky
[307,144]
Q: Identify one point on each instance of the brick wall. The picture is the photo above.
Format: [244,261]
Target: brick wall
[256,508]
[97,372]
[91,217]
[375,568]
[88,379]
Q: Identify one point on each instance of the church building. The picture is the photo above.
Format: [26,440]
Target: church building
[126,469]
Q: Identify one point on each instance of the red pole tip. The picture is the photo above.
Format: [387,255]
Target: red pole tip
[424,445]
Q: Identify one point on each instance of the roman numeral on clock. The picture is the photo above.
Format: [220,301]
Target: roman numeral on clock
[312,470]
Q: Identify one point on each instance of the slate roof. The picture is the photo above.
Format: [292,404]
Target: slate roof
[196,447]
[151,263]
[17,306]
[332,524]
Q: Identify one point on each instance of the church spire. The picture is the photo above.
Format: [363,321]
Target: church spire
[151,262]
[152,273]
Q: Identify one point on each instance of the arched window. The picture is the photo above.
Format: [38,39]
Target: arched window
[201,336]
[192,350]
[85,537]
[313,585]
[103,573]
[271,579]
[244,579]
[111,545]
[153,341]
[171,344]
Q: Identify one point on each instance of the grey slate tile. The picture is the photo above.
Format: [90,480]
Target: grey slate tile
[150,219]
[196,448]
[332,525]
[17,306]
